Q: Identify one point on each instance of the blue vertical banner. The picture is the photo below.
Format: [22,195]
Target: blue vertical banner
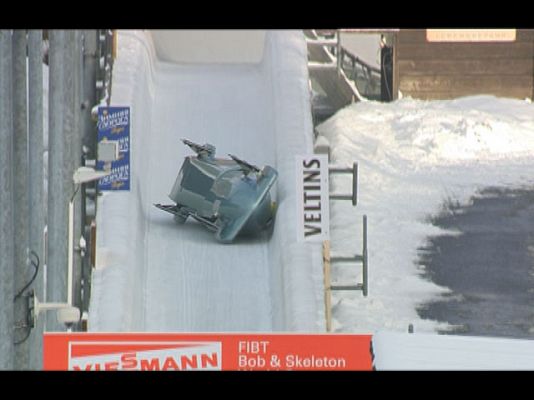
[114,126]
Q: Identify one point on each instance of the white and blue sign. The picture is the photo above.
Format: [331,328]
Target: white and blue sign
[114,126]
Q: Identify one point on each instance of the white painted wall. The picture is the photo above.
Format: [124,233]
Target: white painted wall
[209,46]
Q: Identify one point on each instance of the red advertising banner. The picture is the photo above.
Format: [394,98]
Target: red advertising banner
[205,351]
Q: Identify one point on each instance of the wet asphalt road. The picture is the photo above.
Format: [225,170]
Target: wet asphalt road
[489,267]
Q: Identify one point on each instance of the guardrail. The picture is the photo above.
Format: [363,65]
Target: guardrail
[366,78]
[354,69]
[332,48]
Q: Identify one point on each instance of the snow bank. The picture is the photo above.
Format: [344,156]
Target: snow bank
[119,299]
[419,352]
[415,157]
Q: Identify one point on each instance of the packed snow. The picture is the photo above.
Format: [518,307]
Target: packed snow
[405,351]
[415,157]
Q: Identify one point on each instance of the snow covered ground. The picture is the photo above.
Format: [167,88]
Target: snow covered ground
[153,275]
[414,158]
[404,351]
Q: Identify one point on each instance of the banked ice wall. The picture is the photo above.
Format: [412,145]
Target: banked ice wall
[117,296]
[119,293]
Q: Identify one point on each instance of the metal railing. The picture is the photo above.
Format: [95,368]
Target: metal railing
[333,169]
[333,50]
[328,260]
[364,79]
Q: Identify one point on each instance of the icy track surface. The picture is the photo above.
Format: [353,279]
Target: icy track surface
[154,275]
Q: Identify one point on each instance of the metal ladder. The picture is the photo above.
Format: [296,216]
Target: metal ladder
[328,260]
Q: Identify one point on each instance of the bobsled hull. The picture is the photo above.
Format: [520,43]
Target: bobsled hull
[257,212]
[229,197]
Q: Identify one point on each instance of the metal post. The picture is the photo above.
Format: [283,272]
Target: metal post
[20,189]
[36,176]
[90,38]
[59,186]
[327,285]
[354,183]
[386,75]
[77,134]
[338,52]
[6,205]
[70,156]
[101,62]
[109,60]
[365,261]
[89,141]
[115,45]
[70,255]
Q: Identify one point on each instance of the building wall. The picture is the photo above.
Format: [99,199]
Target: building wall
[444,70]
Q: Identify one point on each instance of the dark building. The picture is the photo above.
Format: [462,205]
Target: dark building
[432,65]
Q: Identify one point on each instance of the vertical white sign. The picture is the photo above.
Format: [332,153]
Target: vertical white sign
[313,211]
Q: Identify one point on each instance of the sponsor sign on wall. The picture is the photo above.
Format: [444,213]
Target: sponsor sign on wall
[470,35]
[114,126]
[313,211]
[183,352]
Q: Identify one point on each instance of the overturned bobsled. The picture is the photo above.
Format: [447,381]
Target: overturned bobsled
[228,196]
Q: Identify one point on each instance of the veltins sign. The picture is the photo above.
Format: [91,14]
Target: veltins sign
[313,211]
